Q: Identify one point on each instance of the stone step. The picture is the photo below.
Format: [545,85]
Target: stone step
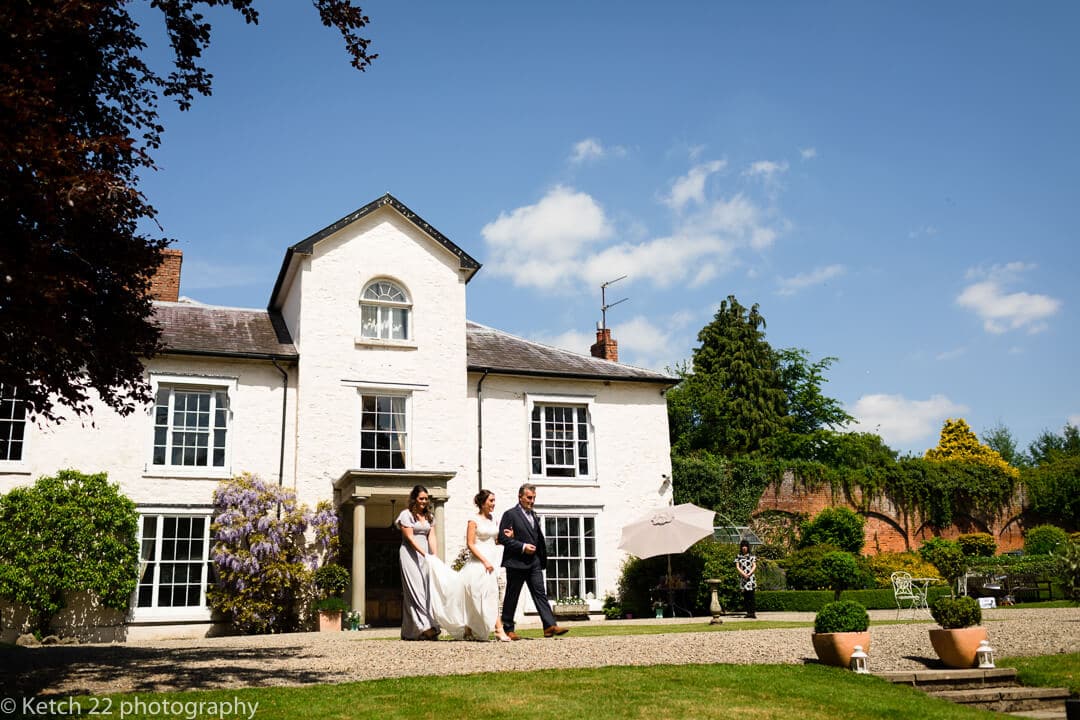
[953,679]
[1007,699]
[1059,714]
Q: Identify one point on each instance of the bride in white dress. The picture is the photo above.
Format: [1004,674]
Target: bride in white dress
[466,603]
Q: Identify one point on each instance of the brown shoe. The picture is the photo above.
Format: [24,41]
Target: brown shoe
[554,630]
[513,635]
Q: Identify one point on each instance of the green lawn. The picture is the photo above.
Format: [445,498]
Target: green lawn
[1047,670]
[802,692]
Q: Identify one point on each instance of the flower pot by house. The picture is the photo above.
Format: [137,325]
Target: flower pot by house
[573,610]
[957,647]
[836,648]
[329,621]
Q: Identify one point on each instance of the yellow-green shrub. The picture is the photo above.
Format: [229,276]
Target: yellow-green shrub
[958,442]
[885,564]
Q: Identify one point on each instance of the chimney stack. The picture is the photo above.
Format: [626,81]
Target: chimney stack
[165,285]
[605,348]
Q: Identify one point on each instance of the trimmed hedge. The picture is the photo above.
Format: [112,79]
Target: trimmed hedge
[814,600]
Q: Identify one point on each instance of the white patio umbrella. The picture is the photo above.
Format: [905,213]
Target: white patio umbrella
[665,531]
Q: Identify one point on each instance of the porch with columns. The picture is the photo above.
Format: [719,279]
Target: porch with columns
[385,493]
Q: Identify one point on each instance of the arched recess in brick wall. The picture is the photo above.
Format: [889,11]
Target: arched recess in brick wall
[883,534]
[1011,535]
[776,527]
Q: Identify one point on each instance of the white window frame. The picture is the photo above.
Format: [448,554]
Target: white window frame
[21,464]
[380,307]
[576,401]
[397,392]
[193,383]
[153,612]
[553,578]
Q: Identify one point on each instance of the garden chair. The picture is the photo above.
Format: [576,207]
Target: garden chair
[908,593]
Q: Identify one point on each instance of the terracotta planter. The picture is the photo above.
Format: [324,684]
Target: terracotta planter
[957,647]
[836,648]
[329,621]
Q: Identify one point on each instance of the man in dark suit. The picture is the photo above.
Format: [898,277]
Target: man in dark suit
[525,557]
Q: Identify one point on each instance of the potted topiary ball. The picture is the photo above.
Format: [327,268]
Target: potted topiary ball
[838,628]
[957,641]
[330,584]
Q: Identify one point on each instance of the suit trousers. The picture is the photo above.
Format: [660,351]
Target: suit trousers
[533,576]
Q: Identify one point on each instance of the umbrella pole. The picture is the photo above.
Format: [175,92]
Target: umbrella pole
[670,587]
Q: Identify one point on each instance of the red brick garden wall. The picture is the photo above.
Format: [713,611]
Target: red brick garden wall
[888,529]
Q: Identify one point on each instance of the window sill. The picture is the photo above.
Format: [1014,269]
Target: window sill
[186,473]
[15,468]
[545,481]
[162,615]
[388,344]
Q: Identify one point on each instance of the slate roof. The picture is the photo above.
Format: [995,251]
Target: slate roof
[503,353]
[194,329]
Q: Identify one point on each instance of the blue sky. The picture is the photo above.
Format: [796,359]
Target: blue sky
[896,185]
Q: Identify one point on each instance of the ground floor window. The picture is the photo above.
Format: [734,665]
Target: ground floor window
[12,424]
[571,550]
[174,566]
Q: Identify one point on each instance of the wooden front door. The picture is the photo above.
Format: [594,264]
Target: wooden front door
[383,604]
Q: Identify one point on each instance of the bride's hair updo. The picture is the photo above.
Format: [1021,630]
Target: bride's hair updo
[481,498]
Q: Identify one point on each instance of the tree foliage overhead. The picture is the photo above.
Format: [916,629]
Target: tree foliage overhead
[65,534]
[78,123]
[958,442]
[734,400]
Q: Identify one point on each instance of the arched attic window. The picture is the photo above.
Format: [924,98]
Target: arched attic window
[385,312]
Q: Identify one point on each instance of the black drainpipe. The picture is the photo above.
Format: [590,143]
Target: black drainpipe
[480,431]
[284,408]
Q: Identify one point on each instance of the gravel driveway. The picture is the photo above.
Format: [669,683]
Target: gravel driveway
[303,658]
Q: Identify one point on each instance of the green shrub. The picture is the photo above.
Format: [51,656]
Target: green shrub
[840,571]
[842,616]
[814,600]
[837,526]
[332,604]
[805,570]
[612,609]
[707,558]
[331,580]
[66,534]
[769,575]
[883,565]
[946,556]
[1068,571]
[951,613]
[977,545]
[1044,539]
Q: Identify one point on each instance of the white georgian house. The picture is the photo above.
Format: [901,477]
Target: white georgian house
[361,379]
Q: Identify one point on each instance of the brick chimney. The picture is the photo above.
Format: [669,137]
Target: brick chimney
[605,348]
[165,285]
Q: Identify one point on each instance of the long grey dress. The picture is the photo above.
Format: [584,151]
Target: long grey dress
[415,583]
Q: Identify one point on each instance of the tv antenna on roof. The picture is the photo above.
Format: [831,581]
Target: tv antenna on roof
[603,300]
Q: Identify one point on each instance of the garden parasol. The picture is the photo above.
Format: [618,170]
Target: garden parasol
[665,531]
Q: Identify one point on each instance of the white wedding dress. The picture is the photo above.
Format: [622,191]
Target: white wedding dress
[468,600]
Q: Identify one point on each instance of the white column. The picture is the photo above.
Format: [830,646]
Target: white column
[359,558]
[440,530]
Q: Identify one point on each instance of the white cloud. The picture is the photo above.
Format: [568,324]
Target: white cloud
[900,421]
[1074,419]
[808,153]
[565,238]
[925,230]
[572,340]
[591,149]
[767,170]
[691,187]
[1000,310]
[540,244]
[950,354]
[817,276]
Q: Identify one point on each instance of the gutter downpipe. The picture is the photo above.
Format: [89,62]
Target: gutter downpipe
[480,431]
[284,410]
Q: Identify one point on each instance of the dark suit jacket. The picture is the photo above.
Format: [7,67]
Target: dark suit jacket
[524,532]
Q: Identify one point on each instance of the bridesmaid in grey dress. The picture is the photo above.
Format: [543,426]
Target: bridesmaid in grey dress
[417,526]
